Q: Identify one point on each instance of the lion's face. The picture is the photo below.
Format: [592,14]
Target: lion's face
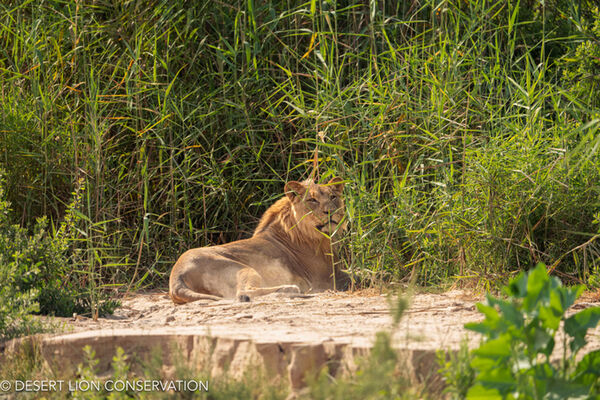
[318,207]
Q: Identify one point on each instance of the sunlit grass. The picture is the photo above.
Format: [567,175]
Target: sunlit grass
[467,153]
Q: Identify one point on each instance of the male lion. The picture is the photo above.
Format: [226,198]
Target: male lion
[289,252]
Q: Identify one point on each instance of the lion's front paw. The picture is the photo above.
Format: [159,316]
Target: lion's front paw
[243,298]
[289,289]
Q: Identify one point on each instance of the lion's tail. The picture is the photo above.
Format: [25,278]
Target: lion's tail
[183,295]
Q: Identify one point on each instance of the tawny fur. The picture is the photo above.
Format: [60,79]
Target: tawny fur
[290,251]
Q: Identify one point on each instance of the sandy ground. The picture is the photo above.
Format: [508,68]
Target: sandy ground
[433,321]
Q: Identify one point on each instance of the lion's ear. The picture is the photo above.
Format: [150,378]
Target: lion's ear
[337,184]
[293,189]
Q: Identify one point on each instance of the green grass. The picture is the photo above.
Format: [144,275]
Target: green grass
[467,130]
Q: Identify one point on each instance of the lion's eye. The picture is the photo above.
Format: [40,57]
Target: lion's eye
[333,197]
[311,200]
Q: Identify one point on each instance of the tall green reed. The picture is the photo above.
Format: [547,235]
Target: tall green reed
[451,121]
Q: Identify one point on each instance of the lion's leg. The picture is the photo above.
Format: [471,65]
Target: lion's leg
[250,284]
[198,276]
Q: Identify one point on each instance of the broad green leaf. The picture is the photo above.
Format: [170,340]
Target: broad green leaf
[558,301]
[543,371]
[577,325]
[510,313]
[549,316]
[517,287]
[489,324]
[587,371]
[497,379]
[537,287]
[568,296]
[543,342]
[559,389]
[486,363]
[479,392]
[495,348]
[479,327]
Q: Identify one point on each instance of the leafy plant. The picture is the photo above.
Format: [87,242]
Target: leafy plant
[15,304]
[456,370]
[520,336]
[38,272]
[582,65]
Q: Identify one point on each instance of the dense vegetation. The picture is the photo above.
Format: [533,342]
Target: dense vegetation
[517,358]
[467,132]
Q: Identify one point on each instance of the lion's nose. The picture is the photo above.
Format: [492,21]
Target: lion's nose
[331,207]
[331,213]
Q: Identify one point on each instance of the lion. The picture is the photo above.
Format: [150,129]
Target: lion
[290,251]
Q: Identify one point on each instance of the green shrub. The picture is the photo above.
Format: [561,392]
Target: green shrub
[519,338]
[39,274]
[582,65]
[522,204]
[456,370]
[15,304]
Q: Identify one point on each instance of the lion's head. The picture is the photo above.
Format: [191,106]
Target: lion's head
[317,208]
[304,221]
[308,213]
